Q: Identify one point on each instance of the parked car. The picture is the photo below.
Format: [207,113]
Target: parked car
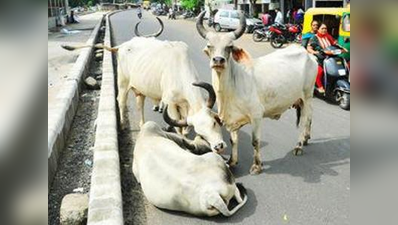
[229,20]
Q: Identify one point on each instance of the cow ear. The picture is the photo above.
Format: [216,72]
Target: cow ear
[240,55]
[206,51]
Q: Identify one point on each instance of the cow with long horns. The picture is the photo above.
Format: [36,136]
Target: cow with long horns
[162,71]
[251,89]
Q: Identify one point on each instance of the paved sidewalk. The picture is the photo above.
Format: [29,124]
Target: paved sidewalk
[61,61]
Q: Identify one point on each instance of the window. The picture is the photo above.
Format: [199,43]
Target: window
[224,14]
[346,23]
[235,15]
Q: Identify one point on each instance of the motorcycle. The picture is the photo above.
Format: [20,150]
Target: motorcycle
[282,34]
[188,14]
[261,33]
[160,12]
[336,79]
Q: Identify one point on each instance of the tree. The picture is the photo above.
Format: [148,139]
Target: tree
[189,4]
[75,3]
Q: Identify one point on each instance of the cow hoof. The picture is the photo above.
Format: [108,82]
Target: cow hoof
[160,110]
[255,169]
[155,108]
[298,151]
[307,138]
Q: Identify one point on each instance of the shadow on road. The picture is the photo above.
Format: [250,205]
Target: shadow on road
[319,159]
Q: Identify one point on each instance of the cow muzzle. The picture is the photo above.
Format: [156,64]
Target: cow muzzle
[220,147]
[218,63]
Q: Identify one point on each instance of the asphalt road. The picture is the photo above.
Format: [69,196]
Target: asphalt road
[312,189]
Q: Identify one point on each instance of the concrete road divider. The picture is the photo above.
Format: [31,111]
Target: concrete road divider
[105,203]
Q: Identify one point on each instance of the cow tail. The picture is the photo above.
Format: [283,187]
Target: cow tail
[72,48]
[298,113]
[115,49]
[240,196]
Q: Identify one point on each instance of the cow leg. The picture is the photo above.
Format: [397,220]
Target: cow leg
[304,126]
[233,160]
[156,105]
[161,106]
[140,99]
[122,99]
[184,114]
[256,133]
[135,172]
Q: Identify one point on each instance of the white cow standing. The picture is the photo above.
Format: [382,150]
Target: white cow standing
[163,71]
[250,89]
[173,178]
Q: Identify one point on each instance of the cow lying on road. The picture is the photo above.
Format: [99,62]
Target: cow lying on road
[251,89]
[162,71]
[173,178]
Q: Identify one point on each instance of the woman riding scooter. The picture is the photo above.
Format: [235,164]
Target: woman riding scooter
[316,46]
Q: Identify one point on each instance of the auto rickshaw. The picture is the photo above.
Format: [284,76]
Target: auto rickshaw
[338,22]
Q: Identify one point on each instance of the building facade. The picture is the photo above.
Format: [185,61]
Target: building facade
[262,6]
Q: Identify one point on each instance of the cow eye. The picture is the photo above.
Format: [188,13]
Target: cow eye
[214,124]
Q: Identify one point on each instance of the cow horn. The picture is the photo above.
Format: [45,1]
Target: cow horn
[242,26]
[199,25]
[138,34]
[212,95]
[172,122]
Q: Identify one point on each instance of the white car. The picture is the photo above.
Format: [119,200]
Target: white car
[229,20]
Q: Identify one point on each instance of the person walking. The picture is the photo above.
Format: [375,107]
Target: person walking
[279,16]
[139,12]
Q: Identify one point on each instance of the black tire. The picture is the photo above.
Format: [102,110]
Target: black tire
[217,27]
[277,41]
[249,29]
[257,37]
[344,102]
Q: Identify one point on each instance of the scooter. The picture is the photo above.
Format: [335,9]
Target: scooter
[336,79]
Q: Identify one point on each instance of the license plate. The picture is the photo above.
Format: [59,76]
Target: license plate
[342,72]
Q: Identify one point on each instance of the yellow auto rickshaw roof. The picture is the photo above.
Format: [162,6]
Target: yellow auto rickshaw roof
[323,11]
[326,11]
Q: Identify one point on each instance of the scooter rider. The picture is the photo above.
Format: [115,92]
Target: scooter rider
[307,36]
[316,46]
[139,12]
